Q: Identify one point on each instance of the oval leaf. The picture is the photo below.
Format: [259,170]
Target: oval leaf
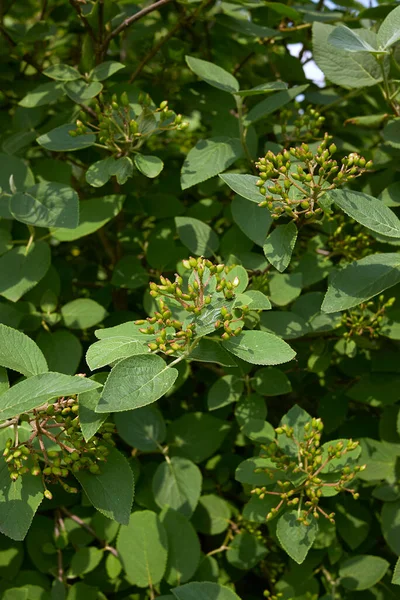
[136,381]
[111,491]
[260,348]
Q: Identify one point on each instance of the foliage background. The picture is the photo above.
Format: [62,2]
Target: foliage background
[79,244]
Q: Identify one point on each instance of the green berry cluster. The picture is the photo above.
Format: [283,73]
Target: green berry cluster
[59,424]
[353,245]
[272,596]
[205,280]
[366,318]
[119,129]
[306,471]
[294,190]
[301,127]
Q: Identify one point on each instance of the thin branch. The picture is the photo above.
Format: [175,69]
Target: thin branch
[154,51]
[75,4]
[89,529]
[128,22]
[184,22]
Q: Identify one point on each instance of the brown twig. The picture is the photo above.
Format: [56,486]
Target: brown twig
[76,6]
[89,529]
[128,22]
[184,22]
[154,51]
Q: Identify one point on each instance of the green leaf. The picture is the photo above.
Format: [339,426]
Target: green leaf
[150,166]
[46,205]
[347,39]
[390,523]
[295,538]
[89,420]
[16,594]
[362,572]
[122,168]
[368,211]
[111,491]
[396,573]
[209,158]
[183,547]
[380,459]
[135,382]
[264,88]
[94,214]
[20,353]
[285,287]
[43,94]
[84,560]
[80,91]
[129,273]
[213,75]
[208,350]
[212,515]
[279,246]
[62,350]
[389,31]
[82,313]
[285,324]
[357,70]
[143,428]
[272,104]
[39,389]
[246,551]
[245,27]
[59,140]
[99,172]
[197,236]
[259,348]
[82,591]
[253,220]
[271,382]
[19,500]
[142,546]
[177,484]
[105,70]
[255,299]
[224,391]
[244,185]
[196,436]
[105,352]
[352,522]
[285,10]
[62,72]
[206,590]
[21,174]
[361,280]
[257,509]
[249,408]
[246,471]
[21,270]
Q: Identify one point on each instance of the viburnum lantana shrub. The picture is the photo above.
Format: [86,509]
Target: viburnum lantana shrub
[199,300]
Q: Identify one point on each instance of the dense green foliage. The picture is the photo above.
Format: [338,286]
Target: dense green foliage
[199,300]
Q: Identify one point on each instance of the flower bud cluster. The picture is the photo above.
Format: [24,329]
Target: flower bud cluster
[117,126]
[310,463]
[366,318]
[59,424]
[305,127]
[293,190]
[174,336]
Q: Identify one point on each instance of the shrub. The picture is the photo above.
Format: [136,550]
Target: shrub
[199,318]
